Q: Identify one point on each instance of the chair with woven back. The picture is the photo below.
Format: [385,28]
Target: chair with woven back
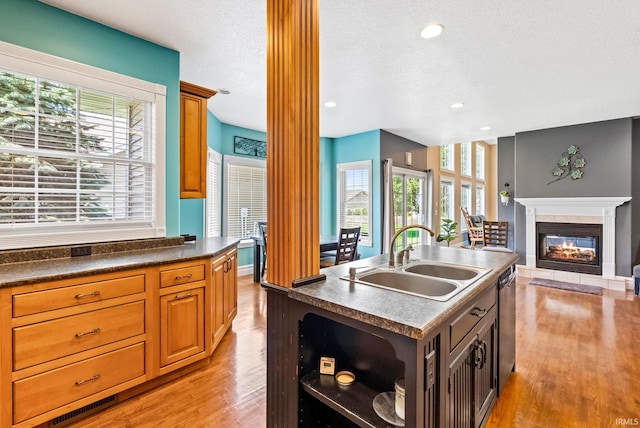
[475,231]
[347,250]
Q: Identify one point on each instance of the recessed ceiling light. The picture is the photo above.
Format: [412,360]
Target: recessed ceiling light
[224,91]
[330,104]
[431,31]
[485,128]
[457,105]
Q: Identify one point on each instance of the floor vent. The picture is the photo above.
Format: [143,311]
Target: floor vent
[74,415]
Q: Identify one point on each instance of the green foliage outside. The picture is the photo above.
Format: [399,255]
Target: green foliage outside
[57,131]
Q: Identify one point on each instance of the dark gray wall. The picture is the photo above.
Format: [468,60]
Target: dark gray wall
[393,146]
[635,193]
[607,149]
[507,174]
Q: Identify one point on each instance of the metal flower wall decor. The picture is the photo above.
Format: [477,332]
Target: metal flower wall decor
[570,164]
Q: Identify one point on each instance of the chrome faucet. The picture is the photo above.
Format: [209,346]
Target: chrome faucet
[393,241]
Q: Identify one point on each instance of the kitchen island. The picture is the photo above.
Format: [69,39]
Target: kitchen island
[446,351]
[80,333]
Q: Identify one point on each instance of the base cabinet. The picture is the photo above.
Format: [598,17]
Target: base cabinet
[68,344]
[224,306]
[472,367]
[181,324]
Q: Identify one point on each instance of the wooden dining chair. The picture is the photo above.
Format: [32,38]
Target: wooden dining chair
[263,233]
[495,233]
[476,233]
[347,249]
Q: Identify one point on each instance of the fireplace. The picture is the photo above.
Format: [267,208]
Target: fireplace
[573,247]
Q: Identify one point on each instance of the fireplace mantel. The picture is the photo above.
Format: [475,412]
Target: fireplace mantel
[602,207]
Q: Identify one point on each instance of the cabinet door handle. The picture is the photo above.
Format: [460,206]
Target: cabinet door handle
[478,312]
[91,379]
[85,295]
[480,355]
[187,276]
[88,333]
[183,296]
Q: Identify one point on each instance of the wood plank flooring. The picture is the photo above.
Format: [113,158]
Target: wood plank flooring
[578,365]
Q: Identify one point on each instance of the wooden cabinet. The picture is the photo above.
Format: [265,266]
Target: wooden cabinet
[193,139]
[69,343]
[472,363]
[224,305]
[183,305]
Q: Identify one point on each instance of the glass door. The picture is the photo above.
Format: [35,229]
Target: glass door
[410,204]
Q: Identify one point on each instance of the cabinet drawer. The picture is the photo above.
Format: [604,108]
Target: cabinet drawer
[36,343]
[459,328]
[41,393]
[181,275]
[58,298]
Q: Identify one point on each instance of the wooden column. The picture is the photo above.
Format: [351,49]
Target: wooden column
[293,141]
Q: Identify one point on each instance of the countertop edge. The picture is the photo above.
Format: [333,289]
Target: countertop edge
[108,263]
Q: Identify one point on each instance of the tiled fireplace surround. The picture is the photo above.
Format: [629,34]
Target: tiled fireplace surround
[575,210]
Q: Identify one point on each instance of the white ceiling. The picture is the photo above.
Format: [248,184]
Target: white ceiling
[517,65]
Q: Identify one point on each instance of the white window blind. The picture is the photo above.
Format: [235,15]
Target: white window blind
[213,211]
[78,156]
[354,198]
[246,195]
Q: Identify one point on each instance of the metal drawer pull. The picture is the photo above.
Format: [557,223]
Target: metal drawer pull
[179,277]
[82,296]
[183,296]
[91,379]
[94,331]
[479,312]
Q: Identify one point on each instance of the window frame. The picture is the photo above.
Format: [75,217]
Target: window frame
[213,203]
[465,186]
[366,240]
[238,161]
[450,183]
[465,171]
[480,200]
[450,157]
[480,163]
[16,59]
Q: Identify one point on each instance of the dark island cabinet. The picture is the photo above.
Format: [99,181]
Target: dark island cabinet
[472,365]
[376,357]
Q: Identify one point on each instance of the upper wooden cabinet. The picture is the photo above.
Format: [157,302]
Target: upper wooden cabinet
[193,140]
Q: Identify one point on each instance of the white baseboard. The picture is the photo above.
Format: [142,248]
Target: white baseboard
[245,270]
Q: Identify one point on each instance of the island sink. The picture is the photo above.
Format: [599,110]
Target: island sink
[436,281]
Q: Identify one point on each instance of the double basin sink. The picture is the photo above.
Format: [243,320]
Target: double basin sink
[423,278]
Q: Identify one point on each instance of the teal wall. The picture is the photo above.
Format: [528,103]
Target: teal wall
[360,147]
[34,25]
[327,188]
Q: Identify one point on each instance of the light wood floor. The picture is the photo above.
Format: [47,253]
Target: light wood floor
[578,365]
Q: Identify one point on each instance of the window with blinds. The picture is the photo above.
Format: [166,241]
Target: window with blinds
[214,200]
[354,198]
[246,195]
[77,161]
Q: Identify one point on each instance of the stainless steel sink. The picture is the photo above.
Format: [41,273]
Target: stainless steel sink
[423,278]
[407,283]
[444,271]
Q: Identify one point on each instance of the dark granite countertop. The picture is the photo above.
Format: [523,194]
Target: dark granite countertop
[31,272]
[401,313]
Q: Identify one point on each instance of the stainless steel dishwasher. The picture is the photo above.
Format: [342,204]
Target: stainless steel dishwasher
[506,326]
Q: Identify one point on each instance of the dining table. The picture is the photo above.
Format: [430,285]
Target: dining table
[327,243]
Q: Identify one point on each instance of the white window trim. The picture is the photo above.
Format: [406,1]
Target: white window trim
[214,187]
[410,173]
[450,182]
[452,155]
[28,61]
[469,185]
[469,159]
[241,161]
[348,166]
